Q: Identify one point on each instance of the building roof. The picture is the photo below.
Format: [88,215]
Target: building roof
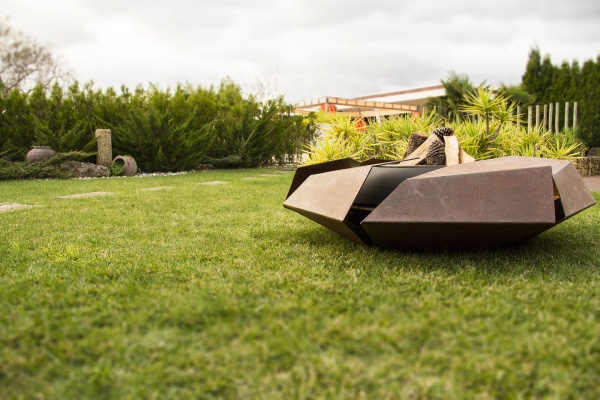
[400,102]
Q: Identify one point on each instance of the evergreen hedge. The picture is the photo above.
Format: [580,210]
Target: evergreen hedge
[568,82]
[164,130]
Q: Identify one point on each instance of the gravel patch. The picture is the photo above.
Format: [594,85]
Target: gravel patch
[140,175]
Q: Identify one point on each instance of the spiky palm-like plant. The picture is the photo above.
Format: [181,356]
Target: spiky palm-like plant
[473,139]
[327,148]
[563,145]
[495,109]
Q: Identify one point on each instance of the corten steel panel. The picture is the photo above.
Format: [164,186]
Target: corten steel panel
[454,236]
[574,195]
[448,208]
[302,173]
[511,196]
[326,198]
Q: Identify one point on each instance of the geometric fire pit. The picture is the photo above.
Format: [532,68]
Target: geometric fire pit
[491,203]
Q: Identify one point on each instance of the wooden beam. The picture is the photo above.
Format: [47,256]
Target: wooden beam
[359,104]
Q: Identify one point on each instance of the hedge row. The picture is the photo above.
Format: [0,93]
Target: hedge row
[164,130]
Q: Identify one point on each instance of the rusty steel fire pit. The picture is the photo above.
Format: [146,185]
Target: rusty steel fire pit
[483,204]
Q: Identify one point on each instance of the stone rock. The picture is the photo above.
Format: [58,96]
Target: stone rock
[85,170]
[588,166]
[205,167]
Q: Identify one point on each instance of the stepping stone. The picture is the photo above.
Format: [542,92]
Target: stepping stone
[250,178]
[269,174]
[157,188]
[91,194]
[213,183]
[13,206]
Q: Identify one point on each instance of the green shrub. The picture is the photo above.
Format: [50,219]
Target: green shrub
[164,130]
[117,167]
[488,128]
[46,169]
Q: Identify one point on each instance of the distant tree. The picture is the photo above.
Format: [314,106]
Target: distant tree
[458,87]
[575,84]
[561,84]
[24,63]
[539,76]
[517,95]
[531,79]
[589,103]
[568,83]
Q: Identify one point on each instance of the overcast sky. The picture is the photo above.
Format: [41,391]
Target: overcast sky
[307,49]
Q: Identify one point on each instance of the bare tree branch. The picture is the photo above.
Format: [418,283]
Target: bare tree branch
[24,63]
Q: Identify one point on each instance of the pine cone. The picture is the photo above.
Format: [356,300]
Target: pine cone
[443,131]
[436,155]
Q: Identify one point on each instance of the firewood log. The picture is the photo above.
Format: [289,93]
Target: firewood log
[417,156]
[414,141]
[452,150]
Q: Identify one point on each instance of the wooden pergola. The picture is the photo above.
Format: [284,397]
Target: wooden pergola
[402,102]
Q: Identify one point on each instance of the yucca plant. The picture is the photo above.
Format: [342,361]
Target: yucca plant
[520,142]
[426,122]
[473,138]
[341,136]
[339,125]
[563,145]
[390,136]
[495,109]
[490,131]
[327,148]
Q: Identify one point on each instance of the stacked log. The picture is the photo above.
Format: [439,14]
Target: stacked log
[441,147]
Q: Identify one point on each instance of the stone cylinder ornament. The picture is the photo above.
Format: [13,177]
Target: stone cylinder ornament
[104,156]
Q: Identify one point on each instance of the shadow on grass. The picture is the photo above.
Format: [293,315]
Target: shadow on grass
[566,252]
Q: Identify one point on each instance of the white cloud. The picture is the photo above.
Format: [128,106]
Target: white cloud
[311,48]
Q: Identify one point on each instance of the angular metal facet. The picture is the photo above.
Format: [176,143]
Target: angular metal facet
[302,173]
[465,210]
[327,198]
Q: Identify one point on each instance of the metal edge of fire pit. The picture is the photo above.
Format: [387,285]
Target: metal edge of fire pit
[304,172]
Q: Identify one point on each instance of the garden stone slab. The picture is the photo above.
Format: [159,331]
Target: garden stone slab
[269,175]
[251,178]
[213,183]
[90,194]
[13,206]
[157,188]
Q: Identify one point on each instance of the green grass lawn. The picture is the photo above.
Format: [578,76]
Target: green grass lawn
[217,291]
